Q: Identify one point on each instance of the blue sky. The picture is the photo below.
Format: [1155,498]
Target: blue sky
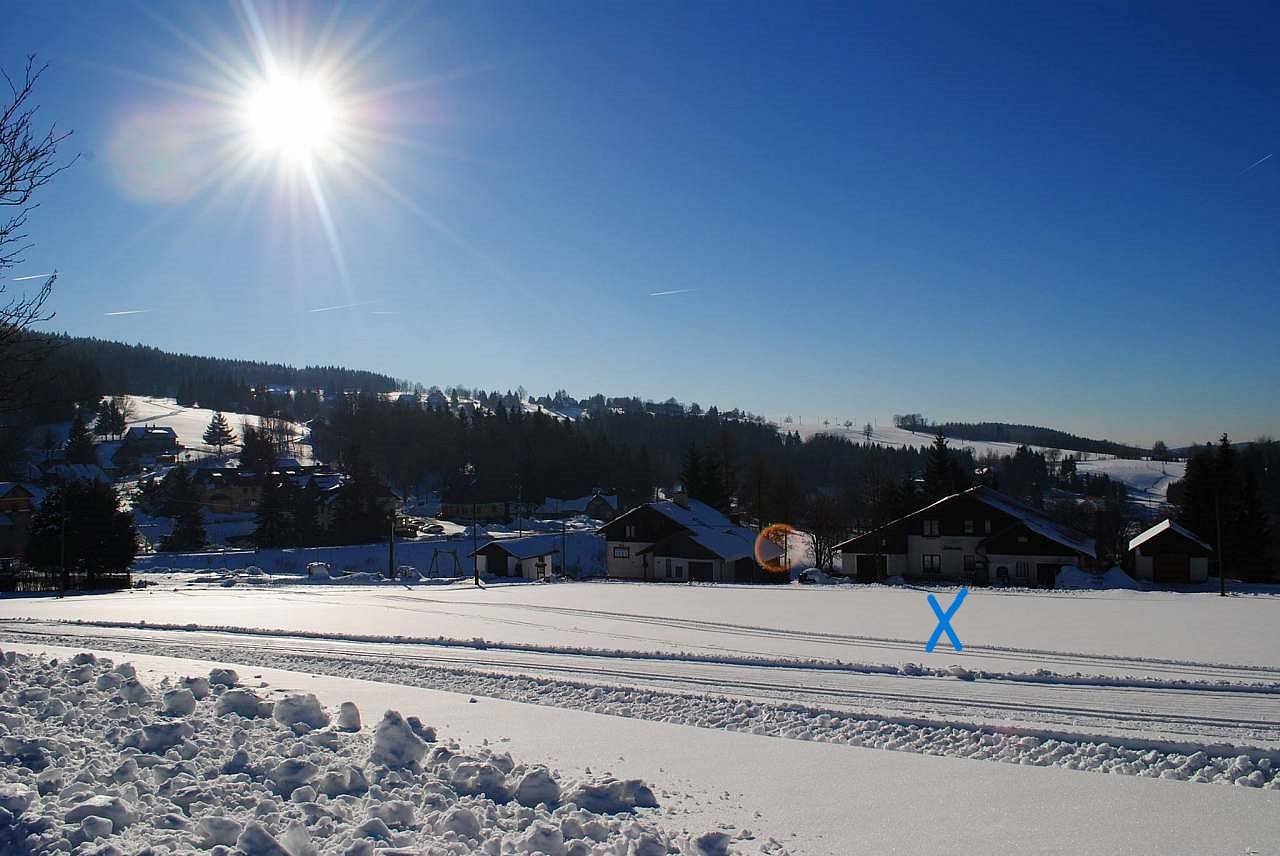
[1027,212]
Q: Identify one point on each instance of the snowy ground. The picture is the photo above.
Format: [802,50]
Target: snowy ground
[189,423]
[762,794]
[1086,696]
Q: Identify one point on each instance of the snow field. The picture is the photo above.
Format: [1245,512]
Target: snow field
[98,762]
[1024,746]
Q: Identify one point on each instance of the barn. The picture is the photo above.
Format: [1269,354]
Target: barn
[1170,554]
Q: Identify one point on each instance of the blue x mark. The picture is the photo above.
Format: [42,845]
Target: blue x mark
[944,621]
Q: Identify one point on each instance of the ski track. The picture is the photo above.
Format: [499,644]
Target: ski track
[1141,732]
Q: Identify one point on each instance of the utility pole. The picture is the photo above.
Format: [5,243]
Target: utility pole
[475,545]
[564,549]
[62,539]
[391,547]
[1222,569]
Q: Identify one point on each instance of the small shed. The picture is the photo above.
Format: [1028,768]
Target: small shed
[531,558]
[1169,553]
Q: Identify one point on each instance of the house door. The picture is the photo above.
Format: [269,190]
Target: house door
[700,572]
[1046,575]
[1168,568]
[870,568]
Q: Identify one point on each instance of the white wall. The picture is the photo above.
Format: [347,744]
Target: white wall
[629,568]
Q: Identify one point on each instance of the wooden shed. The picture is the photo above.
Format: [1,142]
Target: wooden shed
[1170,554]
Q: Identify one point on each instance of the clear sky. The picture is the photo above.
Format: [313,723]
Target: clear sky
[1061,214]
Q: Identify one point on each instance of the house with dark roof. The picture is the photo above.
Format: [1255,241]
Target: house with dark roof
[532,557]
[1169,553]
[151,441]
[685,540]
[979,537]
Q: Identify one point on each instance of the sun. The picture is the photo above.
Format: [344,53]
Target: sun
[292,117]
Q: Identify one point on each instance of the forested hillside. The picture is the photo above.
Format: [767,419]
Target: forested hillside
[1006,432]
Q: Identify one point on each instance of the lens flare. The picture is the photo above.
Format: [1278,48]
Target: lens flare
[771,548]
[292,117]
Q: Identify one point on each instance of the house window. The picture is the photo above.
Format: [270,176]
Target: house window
[668,561]
[932,528]
[968,527]
[621,552]
[1022,570]
[630,533]
[970,564]
[987,526]
[931,563]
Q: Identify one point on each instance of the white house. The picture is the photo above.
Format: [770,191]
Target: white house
[683,540]
[531,557]
[978,536]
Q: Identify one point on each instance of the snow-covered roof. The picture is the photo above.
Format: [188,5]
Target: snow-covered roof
[577,505]
[525,548]
[694,514]
[734,543]
[79,472]
[1166,525]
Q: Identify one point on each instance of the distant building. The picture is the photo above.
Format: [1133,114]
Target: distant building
[482,511]
[1168,553]
[17,502]
[229,490]
[683,540]
[531,558]
[597,506]
[979,536]
[151,441]
[76,472]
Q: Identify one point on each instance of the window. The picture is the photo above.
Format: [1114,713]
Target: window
[931,563]
[1022,570]
[968,527]
[987,526]
[932,528]
[630,533]
[970,564]
[621,552]
[668,562]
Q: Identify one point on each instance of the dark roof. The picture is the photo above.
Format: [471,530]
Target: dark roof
[1025,515]
[524,548]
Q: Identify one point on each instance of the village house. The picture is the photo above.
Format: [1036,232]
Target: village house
[597,506]
[229,490]
[685,540]
[1168,553]
[481,511]
[531,558]
[151,441]
[17,502]
[979,536]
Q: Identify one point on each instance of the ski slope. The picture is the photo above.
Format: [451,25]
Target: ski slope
[189,423]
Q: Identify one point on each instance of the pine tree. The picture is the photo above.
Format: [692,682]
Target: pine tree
[110,421]
[84,518]
[79,448]
[219,433]
[257,454]
[1254,539]
[939,476]
[271,520]
[691,472]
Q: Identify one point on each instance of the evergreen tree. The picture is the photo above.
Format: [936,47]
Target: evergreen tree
[257,454]
[99,537]
[110,421]
[306,515]
[939,475]
[692,477]
[219,433]
[79,448]
[271,520]
[1254,540]
[180,500]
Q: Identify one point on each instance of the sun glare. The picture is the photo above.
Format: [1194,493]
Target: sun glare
[292,117]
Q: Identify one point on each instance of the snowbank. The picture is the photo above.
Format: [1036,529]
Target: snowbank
[83,769]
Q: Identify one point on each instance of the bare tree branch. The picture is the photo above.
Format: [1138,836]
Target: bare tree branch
[28,162]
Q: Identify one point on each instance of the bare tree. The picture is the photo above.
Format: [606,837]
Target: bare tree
[825,528]
[28,161]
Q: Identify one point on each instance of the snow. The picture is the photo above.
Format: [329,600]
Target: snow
[758,794]
[88,775]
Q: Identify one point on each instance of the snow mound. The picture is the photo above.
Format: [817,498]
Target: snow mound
[1115,578]
[1071,577]
[109,777]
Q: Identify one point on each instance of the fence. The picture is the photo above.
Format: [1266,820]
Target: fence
[25,579]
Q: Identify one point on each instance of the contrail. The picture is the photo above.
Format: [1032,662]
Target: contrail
[31,276]
[673,291]
[1260,160]
[126,312]
[342,306]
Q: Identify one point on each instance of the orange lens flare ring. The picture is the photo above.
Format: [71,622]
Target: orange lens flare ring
[771,547]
